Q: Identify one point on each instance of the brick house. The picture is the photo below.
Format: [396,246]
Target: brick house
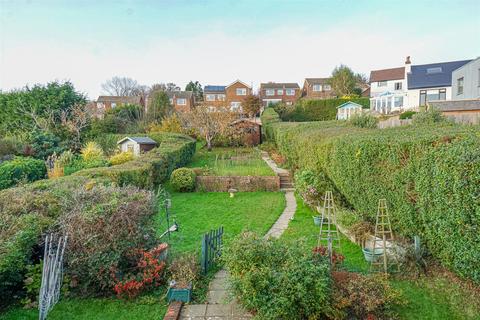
[272,92]
[182,101]
[317,88]
[230,96]
[105,103]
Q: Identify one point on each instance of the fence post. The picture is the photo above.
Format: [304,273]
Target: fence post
[204,253]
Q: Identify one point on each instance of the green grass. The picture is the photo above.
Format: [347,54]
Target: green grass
[197,213]
[430,297]
[150,307]
[231,162]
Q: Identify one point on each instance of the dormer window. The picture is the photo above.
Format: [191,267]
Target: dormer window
[434,70]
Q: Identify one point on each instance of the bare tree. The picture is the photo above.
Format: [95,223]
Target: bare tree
[122,86]
[209,124]
[76,120]
[252,105]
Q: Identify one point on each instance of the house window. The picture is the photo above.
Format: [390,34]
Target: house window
[182,101]
[434,70]
[442,94]
[460,85]
[235,106]
[432,95]
[317,87]
[423,97]
[382,83]
[241,91]
[398,102]
[113,105]
[100,105]
[280,92]
[327,87]
[210,97]
[270,92]
[290,92]
[220,97]
[398,86]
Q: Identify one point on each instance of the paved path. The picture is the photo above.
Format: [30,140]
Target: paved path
[219,306]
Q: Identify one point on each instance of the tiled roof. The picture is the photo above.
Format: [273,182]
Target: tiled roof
[120,99]
[180,94]
[433,75]
[456,105]
[387,74]
[317,80]
[278,85]
[215,89]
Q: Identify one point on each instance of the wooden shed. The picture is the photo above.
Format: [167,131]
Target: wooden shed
[137,145]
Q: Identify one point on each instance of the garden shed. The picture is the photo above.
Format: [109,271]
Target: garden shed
[137,145]
[344,111]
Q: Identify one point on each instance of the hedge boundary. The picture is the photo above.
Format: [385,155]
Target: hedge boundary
[429,175]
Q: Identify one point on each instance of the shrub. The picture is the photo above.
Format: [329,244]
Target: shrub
[364,297]
[44,144]
[92,152]
[407,115]
[183,179]
[184,270]
[363,120]
[428,174]
[168,124]
[428,117]
[120,158]
[21,169]
[277,280]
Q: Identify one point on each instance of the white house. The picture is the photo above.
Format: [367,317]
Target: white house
[137,145]
[347,109]
[466,81]
[431,82]
[388,89]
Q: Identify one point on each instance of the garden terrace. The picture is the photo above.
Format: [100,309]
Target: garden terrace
[429,175]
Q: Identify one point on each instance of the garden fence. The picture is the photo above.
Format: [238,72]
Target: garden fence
[211,248]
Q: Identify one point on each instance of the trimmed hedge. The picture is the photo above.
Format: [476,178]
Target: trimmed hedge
[318,109]
[430,176]
[183,180]
[95,202]
[21,169]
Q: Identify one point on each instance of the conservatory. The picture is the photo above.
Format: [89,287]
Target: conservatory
[387,102]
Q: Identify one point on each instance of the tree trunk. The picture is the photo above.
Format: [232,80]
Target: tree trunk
[209,143]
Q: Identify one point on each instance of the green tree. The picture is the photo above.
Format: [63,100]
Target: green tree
[343,81]
[159,106]
[197,89]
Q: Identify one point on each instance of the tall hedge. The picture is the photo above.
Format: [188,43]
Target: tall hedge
[21,169]
[429,175]
[318,109]
[103,205]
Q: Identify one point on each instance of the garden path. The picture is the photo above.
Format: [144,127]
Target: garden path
[219,306]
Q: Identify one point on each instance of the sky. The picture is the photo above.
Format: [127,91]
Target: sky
[216,42]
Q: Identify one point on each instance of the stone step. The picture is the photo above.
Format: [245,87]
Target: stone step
[287,189]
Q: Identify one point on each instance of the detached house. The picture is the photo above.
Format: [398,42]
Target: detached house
[317,88]
[273,92]
[466,81]
[230,96]
[182,101]
[105,103]
[388,89]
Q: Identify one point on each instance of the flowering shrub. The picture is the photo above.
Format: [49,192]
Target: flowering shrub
[146,274]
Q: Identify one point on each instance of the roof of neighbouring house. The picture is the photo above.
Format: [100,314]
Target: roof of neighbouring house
[433,75]
[139,140]
[121,99]
[387,74]
[180,94]
[456,105]
[316,80]
[349,103]
[215,89]
[279,85]
[238,81]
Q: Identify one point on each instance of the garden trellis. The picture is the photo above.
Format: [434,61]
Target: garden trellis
[330,234]
[52,274]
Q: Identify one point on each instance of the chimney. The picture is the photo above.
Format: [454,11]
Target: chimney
[407,60]
[408,66]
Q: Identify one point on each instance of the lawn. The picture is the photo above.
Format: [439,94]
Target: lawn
[231,162]
[429,297]
[196,213]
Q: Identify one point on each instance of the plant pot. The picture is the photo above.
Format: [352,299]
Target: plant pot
[317,220]
[183,294]
[372,256]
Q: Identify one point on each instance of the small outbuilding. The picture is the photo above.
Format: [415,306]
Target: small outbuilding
[462,111]
[247,131]
[137,145]
[346,110]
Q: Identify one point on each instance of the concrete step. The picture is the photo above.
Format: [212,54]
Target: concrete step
[287,189]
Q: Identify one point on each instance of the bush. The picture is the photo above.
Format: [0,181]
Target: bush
[183,180]
[407,115]
[168,124]
[363,120]
[364,297]
[428,117]
[21,169]
[44,144]
[276,280]
[430,176]
[316,109]
[92,152]
[120,158]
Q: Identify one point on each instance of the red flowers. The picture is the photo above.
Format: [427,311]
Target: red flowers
[150,268]
[337,258]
